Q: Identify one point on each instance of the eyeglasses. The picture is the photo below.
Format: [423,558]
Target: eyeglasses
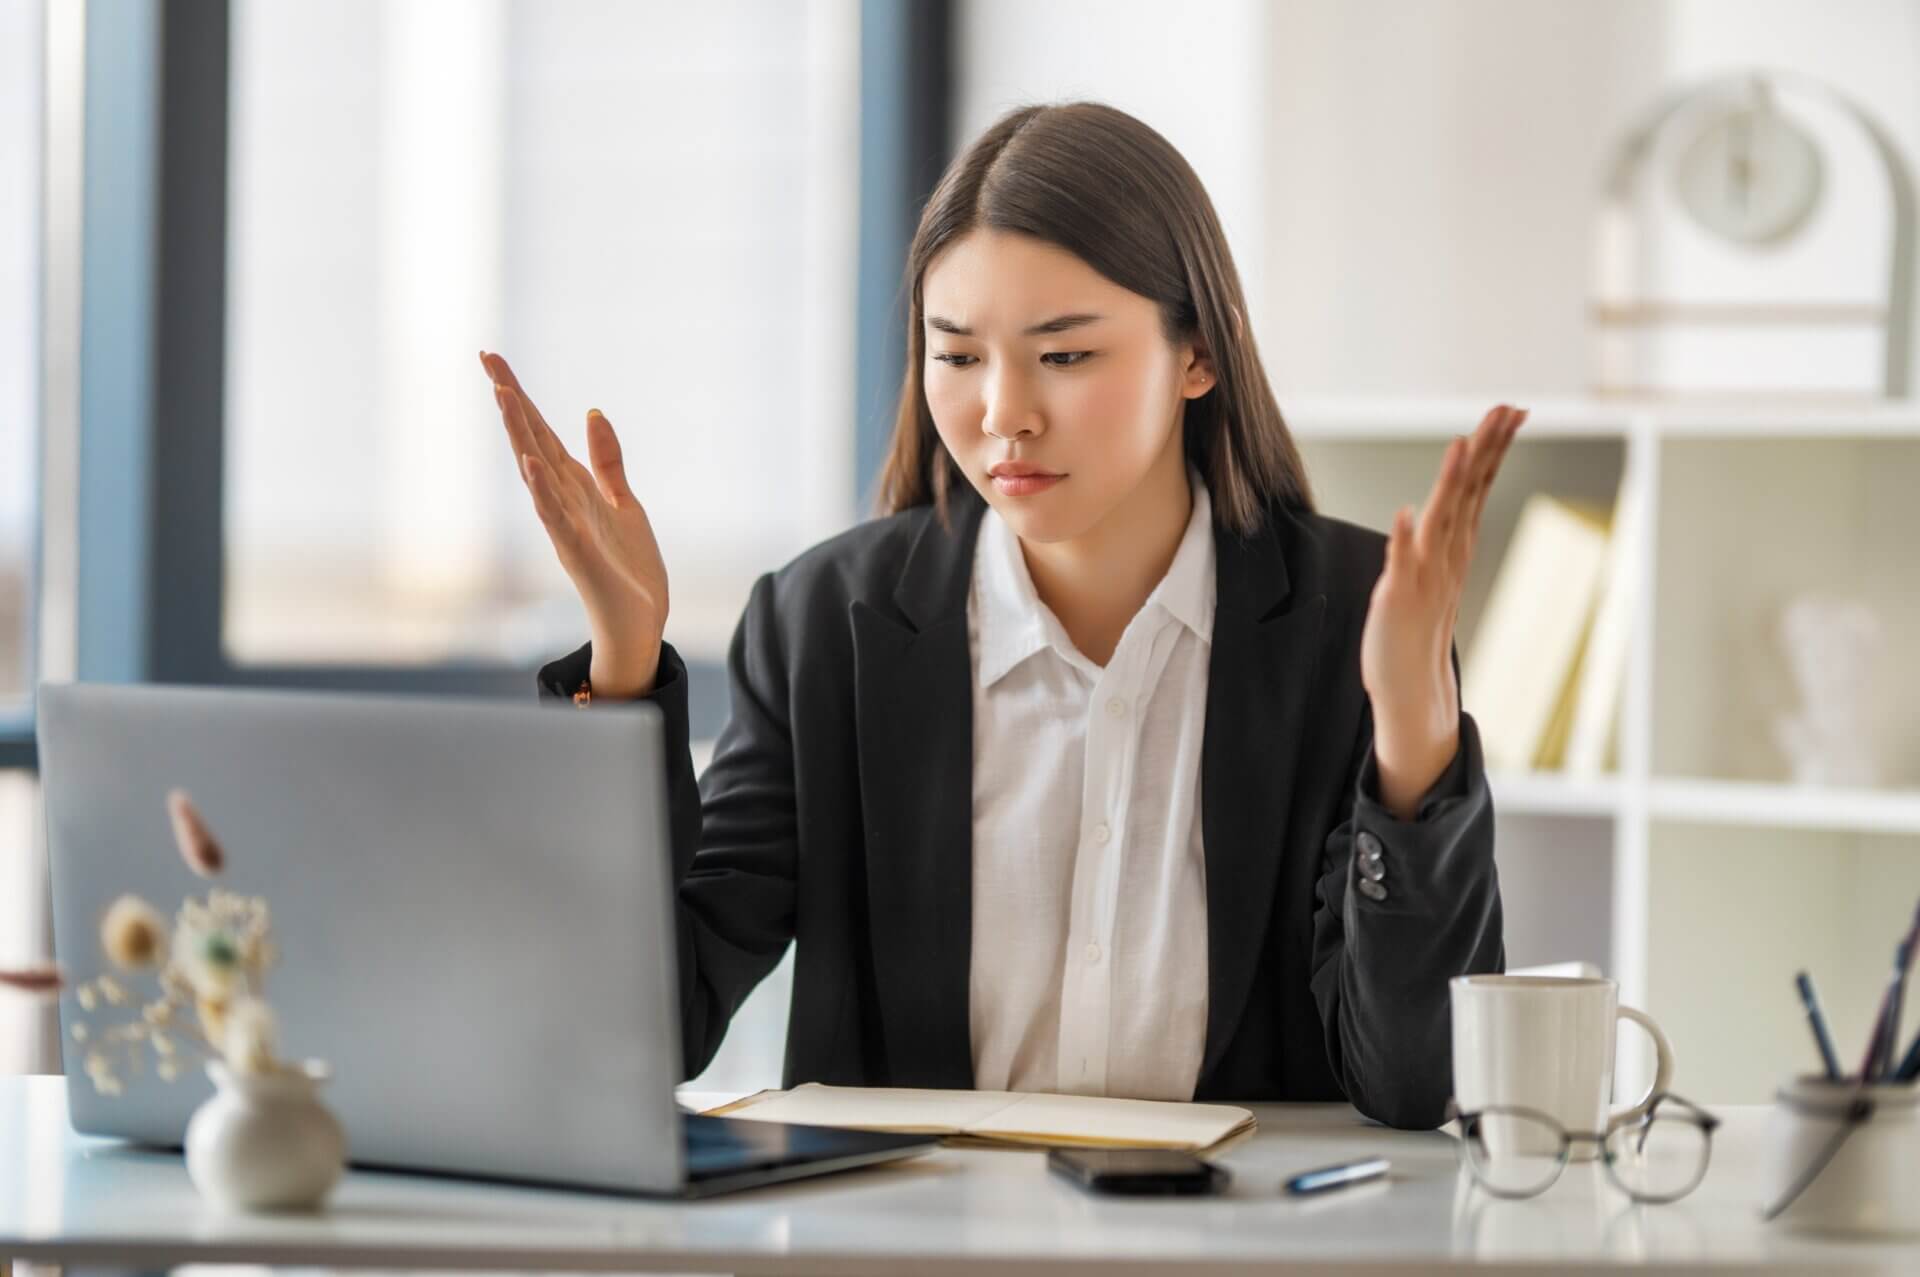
[1660,1156]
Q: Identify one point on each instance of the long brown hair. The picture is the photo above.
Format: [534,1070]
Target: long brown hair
[1102,185]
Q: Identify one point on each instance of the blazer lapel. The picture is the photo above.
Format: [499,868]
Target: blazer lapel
[1261,670]
[913,693]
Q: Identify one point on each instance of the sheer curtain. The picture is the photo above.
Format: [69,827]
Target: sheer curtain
[650,209]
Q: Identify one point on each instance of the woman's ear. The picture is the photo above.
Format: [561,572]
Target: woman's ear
[1199,374]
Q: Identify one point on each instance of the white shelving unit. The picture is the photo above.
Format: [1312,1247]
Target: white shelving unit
[1694,872]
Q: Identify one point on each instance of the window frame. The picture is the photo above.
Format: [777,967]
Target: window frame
[151,483]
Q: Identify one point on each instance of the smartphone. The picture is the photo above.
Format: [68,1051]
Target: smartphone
[1137,1170]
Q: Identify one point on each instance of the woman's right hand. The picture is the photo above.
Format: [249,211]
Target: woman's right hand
[600,533]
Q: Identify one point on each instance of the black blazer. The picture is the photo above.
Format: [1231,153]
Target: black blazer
[838,811]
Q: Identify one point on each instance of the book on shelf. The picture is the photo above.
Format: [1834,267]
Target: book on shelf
[1000,1117]
[1521,678]
[1593,734]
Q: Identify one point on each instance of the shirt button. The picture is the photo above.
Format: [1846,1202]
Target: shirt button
[1101,833]
[1372,890]
[1093,953]
[1117,707]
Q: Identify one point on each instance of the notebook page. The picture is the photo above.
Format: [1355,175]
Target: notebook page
[1097,1120]
[875,1108]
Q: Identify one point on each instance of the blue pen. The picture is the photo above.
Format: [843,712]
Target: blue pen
[1821,1037]
[1340,1176]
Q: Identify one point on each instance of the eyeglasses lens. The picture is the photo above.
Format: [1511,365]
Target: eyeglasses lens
[1660,1159]
[1513,1154]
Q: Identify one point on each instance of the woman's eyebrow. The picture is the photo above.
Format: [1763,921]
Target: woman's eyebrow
[1058,324]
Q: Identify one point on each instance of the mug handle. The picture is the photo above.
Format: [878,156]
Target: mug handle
[1662,1067]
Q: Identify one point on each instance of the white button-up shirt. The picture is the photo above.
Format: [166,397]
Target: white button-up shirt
[1089,966]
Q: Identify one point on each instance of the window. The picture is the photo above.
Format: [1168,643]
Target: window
[649,209]
[21,84]
[20,132]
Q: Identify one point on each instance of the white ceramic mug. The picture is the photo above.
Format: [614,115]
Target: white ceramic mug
[1545,1043]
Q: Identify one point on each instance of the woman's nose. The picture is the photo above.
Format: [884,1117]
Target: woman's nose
[1009,412]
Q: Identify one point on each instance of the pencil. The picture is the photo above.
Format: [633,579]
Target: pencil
[1909,1063]
[1891,1039]
[1818,1022]
[1888,1013]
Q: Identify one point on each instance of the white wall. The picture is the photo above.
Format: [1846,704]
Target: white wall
[1410,189]
[1192,73]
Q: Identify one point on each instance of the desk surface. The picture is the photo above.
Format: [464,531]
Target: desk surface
[74,1200]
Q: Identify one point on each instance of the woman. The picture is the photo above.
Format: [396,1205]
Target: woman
[1100,763]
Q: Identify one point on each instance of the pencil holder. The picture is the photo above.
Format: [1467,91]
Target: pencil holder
[1842,1158]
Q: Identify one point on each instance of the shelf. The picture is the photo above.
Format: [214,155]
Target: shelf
[1783,806]
[1553,794]
[1441,417]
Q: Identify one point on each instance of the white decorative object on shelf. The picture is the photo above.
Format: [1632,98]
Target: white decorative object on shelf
[264,1141]
[1743,150]
[1832,646]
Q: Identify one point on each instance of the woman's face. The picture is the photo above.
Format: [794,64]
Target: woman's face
[1037,361]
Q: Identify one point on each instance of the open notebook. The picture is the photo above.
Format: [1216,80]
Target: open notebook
[1000,1117]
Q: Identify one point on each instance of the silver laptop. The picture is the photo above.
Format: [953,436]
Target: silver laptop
[472,905]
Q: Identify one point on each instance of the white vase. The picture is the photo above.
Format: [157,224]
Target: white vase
[264,1141]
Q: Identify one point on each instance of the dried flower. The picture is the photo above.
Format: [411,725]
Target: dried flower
[134,934]
[212,963]
[213,1020]
[216,945]
[249,1043]
[196,842]
[34,980]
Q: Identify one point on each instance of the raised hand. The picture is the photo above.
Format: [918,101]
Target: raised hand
[600,533]
[1405,648]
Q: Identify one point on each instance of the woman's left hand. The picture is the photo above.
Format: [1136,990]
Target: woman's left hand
[1406,647]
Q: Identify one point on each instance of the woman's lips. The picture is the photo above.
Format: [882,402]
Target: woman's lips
[1024,485]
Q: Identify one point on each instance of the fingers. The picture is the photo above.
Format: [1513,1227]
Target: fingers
[1442,507]
[518,433]
[548,504]
[1400,543]
[1466,473]
[603,449]
[545,444]
[1468,533]
[517,411]
[502,374]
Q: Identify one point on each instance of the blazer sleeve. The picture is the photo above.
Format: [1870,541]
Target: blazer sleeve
[1382,958]
[735,845]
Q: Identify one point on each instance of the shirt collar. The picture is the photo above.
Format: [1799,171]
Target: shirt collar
[1014,624]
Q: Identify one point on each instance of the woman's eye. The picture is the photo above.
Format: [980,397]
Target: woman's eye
[1063,358]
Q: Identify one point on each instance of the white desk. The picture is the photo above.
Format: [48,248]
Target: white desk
[69,1200]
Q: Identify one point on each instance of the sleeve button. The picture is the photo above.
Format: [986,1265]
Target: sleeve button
[1372,890]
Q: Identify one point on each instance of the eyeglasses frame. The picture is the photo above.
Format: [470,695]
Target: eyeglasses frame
[1694,1114]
